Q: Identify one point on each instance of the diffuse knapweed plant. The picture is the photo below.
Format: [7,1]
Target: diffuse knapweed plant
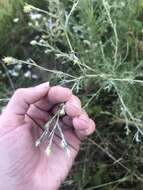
[96,41]
[49,133]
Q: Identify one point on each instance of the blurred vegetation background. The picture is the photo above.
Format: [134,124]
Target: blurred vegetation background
[110,159]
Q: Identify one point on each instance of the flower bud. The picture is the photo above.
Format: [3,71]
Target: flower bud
[28,8]
[8,60]
[48,151]
[33,42]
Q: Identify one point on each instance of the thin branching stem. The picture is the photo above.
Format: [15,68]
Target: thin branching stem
[75,4]
[8,76]
[115,160]
[113,25]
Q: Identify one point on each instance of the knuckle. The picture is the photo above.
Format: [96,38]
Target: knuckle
[76,98]
[19,91]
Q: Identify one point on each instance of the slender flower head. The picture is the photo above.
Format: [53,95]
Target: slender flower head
[8,60]
[48,151]
[33,42]
[28,8]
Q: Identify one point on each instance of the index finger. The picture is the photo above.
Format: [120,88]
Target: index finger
[56,95]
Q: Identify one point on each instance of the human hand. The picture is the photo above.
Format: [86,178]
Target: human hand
[24,166]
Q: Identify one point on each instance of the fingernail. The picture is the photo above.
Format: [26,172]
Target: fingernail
[75,109]
[76,105]
[84,117]
[84,123]
[43,85]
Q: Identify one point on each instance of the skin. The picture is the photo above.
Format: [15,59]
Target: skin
[24,166]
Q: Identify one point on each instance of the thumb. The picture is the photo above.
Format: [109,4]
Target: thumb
[23,97]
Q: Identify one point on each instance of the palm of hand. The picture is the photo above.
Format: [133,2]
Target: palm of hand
[55,167]
[23,162]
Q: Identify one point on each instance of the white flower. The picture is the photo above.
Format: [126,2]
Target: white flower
[28,8]
[33,42]
[18,66]
[68,152]
[122,4]
[62,112]
[48,151]
[14,74]
[37,143]
[46,51]
[44,19]
[44,36]
[63,144]
[35,16]
[137,137]
[27,74]
[8,60]
[37,23]
[16,20]
[30,24]
[29,66]
[42,41]
[34,76]
[87,42]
